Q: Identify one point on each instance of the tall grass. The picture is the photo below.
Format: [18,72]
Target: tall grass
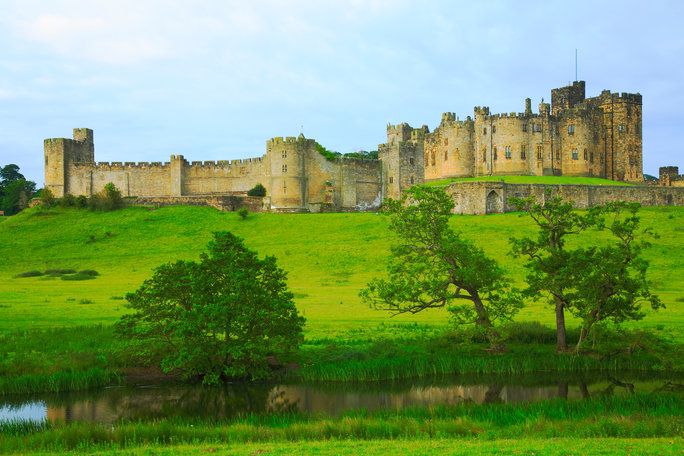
[637,416]
[59,381]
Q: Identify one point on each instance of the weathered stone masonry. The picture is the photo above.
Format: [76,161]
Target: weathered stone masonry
[573,135]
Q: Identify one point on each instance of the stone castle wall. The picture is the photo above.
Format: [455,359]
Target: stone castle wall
[493,197]
[296,176]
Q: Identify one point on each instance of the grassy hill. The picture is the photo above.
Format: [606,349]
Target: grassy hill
[330,257]
[554,180]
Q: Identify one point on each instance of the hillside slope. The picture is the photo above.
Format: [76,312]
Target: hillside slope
[329,257]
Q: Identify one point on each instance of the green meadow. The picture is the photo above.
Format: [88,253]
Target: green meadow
[329,258]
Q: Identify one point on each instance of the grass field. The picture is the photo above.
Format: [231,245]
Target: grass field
[329,257]
[554,180]
[418,447]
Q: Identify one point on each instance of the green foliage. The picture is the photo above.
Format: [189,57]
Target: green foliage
[609,281]
[548,260]
[243,212]
[32,273]
[47,198]
[433,266]
[109,199]
[15,190]
[219,318]
[328,154]
[257,190]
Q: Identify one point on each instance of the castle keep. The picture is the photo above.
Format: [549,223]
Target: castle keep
[572,136]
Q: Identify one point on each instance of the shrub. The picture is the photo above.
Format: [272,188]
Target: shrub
[243,212]
[90,272]
[68,200]
[257,190]
[78,276]
[54,272]
[47,198]
[109,199]
[29,274]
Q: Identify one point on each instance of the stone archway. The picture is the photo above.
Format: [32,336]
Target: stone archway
[494,203]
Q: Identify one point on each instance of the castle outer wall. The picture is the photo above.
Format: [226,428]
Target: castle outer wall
[479,198]
[296,176]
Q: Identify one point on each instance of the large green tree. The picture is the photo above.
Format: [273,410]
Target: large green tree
[433,266]
[15,190]
[548,258]
[219,318]
[609,280]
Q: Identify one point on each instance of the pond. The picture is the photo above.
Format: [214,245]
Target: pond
[142,402]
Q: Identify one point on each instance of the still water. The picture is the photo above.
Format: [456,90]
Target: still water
[109,405]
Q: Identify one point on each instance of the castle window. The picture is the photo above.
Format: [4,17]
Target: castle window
[432,158]
[484,131]
[507,152]
[484,155]
[284,168]
[571,129]
[557,154]
[493,129]
[495,157]
[446,141]
[540,151]
[621,128]
[411,160]
[411,180]
[637,129]
[591,157]
[523,152]
[446,155]
[537,128]
[524,127]
[46,157]
[284,154]
[391,180]
[575,156]
[596,138]
[585,155]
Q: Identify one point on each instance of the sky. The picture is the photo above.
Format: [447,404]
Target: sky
[214,80]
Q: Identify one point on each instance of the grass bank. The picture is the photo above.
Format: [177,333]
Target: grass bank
[419,447]
[624,417]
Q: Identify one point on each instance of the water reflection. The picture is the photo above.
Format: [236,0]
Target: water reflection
[130,403]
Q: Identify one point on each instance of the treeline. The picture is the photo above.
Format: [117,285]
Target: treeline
[15,190]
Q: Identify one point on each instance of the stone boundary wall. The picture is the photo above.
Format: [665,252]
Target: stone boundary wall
[222,202]
[493,197]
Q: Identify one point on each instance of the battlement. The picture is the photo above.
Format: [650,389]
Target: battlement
[607,96]
[290,140]
[481,111]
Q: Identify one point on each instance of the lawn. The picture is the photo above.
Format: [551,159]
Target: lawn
[329,257]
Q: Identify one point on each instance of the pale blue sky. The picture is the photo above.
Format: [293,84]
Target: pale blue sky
[215,79]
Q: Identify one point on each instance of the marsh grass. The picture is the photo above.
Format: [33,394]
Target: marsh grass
[635,416]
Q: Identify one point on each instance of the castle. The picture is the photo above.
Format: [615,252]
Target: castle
[571,136]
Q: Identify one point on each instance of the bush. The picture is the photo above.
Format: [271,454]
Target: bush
[243,212]
[54,272]
[257,190]
[47,198]
[90,272]
[69,200]
[29,274]
[109,199]
[78,276]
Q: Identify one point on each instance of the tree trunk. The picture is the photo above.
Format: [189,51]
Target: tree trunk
[561,339]
[484,322]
